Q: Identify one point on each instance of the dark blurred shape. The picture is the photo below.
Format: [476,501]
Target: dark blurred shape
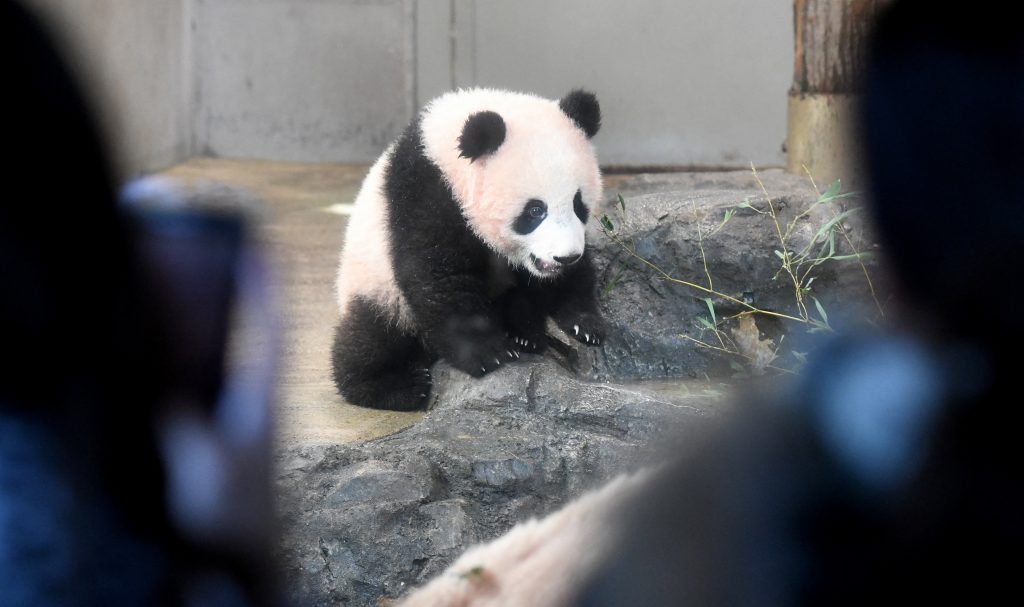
[890,472]
[943,120]
[120,481]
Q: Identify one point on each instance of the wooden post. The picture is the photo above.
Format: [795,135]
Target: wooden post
[830,39]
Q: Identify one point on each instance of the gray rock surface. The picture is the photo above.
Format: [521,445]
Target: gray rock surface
[663,212]
[372,520]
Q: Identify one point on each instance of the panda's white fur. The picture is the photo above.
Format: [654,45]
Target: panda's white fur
[437,261]
[365,269]
[544,156]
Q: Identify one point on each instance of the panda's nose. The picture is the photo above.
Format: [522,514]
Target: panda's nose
[568,260]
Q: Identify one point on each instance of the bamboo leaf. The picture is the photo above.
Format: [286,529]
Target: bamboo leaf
[607,223]
[622,203]
[821,311]
[831,192]
[831,223]
[711,308]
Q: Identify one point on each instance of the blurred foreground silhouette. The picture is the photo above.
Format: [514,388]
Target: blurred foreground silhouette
[132,470]
[890,472]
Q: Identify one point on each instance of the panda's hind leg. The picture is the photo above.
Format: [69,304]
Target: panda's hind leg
[378,365]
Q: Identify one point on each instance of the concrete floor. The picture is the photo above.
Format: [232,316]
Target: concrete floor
[303,234]
[305,218]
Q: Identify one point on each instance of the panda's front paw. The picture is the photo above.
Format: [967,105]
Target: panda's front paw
[585,328]
[479,359]
[477,346]
[533,344]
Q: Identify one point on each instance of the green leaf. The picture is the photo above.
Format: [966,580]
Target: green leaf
[607,223]
[821,311]
[831,223]
[711,308]
[472,573]
[779,254]
[622,203]
[707,323]
[831,192]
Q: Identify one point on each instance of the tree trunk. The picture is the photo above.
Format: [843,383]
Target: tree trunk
[830,41]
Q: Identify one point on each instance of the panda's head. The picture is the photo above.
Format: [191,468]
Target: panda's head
[522,169]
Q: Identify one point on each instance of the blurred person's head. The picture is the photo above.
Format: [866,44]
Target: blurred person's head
[87,407]
[888,472]
[81,344]
[943,123]
[69,308]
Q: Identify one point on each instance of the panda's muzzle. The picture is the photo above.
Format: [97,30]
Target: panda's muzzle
[553,267]
[543,266]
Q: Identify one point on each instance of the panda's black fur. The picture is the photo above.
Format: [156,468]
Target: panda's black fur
[444,271]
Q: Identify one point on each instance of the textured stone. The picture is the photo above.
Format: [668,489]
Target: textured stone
[371,520]
[650,315]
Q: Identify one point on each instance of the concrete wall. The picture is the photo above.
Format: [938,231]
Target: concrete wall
[135,59]
[681,82]
[302,80]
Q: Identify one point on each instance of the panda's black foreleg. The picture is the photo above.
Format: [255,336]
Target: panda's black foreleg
[377,365]
[525,317]
[459,322]
[572,303]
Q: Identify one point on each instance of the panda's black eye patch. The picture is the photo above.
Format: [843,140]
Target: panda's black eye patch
[533,214]
[579,208]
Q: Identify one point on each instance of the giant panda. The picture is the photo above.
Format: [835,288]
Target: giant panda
[466,236]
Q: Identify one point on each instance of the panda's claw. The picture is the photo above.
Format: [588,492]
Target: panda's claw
[576,328]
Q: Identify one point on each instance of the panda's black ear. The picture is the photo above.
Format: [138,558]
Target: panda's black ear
[482,134]
[584,110]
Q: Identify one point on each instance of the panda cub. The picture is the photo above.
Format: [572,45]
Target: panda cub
[467,234]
